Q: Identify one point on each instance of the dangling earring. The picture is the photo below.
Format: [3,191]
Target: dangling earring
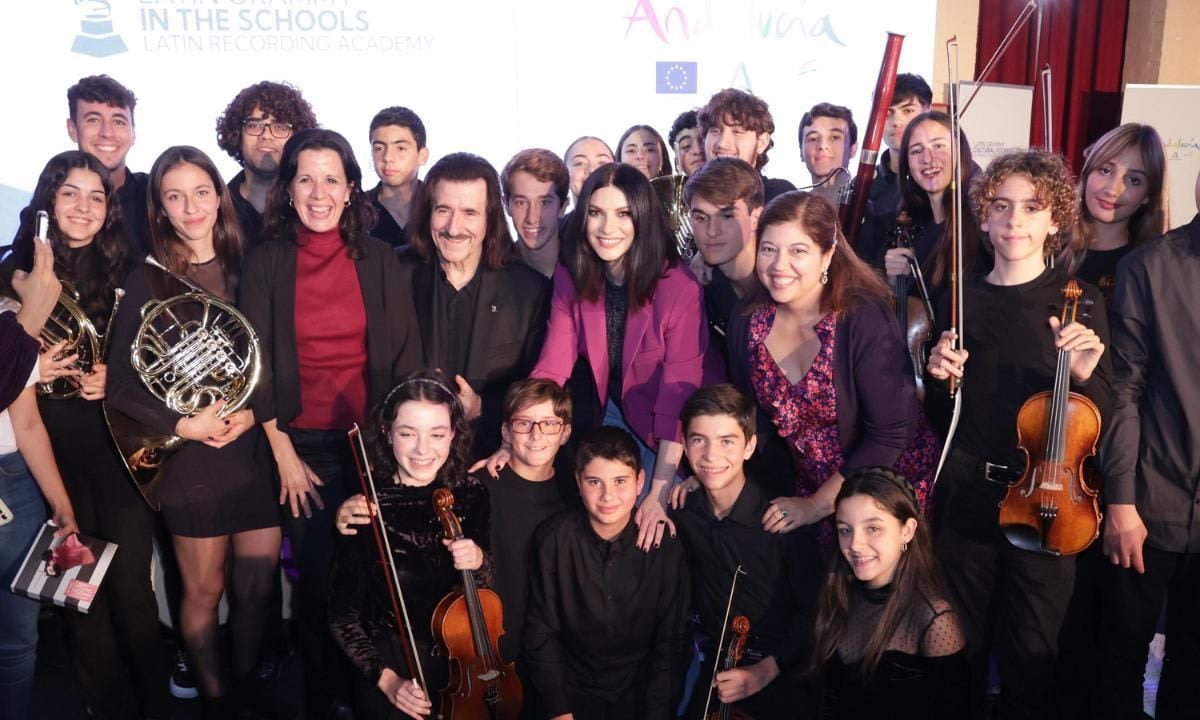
[347,202]
[290,201]
[904,547]
[825,276]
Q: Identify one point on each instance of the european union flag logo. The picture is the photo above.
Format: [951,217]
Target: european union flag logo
[675,78]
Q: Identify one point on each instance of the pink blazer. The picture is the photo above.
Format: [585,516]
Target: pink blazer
[665,344]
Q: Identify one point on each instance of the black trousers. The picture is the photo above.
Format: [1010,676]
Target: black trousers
[327,671]
[1131,608]
[1020,595]
[116,645]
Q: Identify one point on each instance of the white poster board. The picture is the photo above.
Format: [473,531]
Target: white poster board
[997,121]
[487,76]
[1173,110]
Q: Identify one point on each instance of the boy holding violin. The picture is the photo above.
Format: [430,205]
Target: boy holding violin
[780,573]
[1026,205]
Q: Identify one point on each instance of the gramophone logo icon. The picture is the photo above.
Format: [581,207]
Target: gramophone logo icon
[96,37]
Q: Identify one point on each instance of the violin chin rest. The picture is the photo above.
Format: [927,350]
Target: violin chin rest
[1027,537]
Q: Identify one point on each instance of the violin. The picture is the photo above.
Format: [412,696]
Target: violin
[1052,509]
[914,314]
[733,656]
[467,625]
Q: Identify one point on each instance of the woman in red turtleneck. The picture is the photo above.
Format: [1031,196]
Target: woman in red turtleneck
[327,301]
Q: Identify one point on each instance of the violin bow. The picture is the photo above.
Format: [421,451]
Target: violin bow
[384,547]
[1019,23]
[721,640]
[956,247]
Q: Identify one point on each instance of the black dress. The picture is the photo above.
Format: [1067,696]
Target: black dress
[360,612]
[922,674]
[204,491]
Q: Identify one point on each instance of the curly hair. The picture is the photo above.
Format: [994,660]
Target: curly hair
[279,100]
[165,244]
[738,107]
[102,265]
[431,386]
[280,220]
[1053,186]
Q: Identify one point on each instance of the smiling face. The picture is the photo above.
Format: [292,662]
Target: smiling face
[871,539]
[609,490]
[420,437]
[689,151]
[191,204]
[610,230]
[395,154]
[723,234]
[582,160]
[1116,189]
[1018,223]
[535,210]
[260,153]
[827,145]
[80,207]
[641,150]
[790,264]
[717,450]
[930,157]
[728,139]
[320,189]
[103,131]
[459,222]
[536,449]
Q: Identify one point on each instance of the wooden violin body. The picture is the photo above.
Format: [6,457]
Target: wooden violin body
[1052,509]
[467,624]
[911,313]
[733,655]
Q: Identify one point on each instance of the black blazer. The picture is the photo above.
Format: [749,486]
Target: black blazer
[515,300]
[267,296]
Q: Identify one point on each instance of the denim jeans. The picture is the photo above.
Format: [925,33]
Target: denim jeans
[613,417]
[18,615]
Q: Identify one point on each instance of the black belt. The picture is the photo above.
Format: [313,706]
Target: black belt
[999,473]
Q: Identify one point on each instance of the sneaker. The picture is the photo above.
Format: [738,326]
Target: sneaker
[183,680]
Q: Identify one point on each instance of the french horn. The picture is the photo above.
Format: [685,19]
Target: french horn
[70,324]
[191,350]
[669,189]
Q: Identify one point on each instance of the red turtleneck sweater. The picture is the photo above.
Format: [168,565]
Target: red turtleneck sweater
[331,334]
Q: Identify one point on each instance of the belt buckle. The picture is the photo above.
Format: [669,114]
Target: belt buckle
[987,473]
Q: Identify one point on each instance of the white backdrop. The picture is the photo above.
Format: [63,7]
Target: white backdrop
[486,76]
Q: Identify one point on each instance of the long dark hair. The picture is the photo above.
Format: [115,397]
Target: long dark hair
[103,263]
[851,281]
[280,220]
[915,200]
[915,581]
[664,154]
[430,386]
[461,167]
[653,244]
[165,243]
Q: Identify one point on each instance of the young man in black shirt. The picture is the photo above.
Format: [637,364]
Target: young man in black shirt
[253,130]
[398,150]
[911,97]
[1012,341]
[721,527]
[828,142]
[1151,464]
[735,123]
[604,636]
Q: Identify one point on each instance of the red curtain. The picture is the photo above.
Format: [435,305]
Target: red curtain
[1084,43]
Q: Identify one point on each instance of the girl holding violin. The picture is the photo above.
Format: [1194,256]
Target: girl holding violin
[1025,203]
[418,442]
[887,640]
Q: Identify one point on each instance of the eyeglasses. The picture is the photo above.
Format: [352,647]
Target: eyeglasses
[548,427]
[258,127]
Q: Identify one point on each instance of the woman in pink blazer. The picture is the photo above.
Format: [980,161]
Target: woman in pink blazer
[625,281]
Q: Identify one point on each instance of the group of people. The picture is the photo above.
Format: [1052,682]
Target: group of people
[694,483]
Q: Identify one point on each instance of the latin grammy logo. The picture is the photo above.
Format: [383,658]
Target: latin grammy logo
[96,37]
